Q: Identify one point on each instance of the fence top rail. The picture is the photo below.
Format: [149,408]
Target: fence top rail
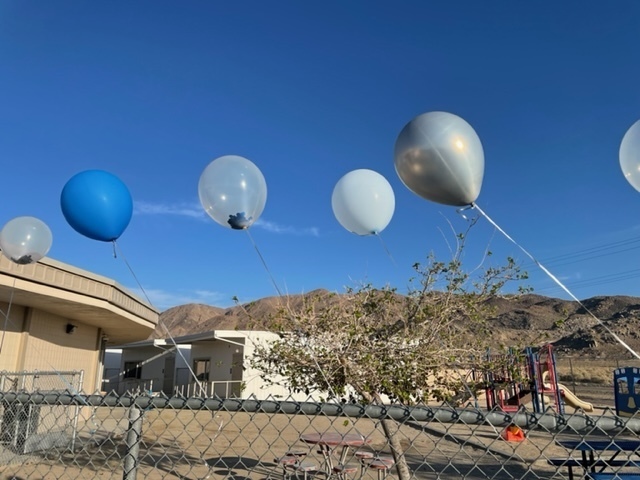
[550,420]
[41,372]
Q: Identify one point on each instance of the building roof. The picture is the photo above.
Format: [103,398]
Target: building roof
[78,295]
[195,338]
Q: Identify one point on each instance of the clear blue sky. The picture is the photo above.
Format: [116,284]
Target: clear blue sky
[152,91]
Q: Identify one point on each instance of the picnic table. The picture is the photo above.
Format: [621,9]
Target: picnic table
[330,441]
[593,465]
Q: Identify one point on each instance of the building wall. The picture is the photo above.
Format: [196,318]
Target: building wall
[154,369]
[49,347]
[220,354]
[256,385]
[11,336]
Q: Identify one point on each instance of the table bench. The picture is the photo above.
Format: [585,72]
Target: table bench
[613,476]
[571,462]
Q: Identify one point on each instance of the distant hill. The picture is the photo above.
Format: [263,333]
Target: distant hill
[532,319]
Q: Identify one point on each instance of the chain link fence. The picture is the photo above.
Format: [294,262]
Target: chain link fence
[26,428]
[139,436]
[39,381]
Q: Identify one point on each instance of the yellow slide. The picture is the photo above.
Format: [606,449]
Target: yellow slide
[569,398]
[573,401]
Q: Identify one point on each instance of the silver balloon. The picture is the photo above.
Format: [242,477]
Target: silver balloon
[630,155]
[233,191]
[25,240]
[439,156]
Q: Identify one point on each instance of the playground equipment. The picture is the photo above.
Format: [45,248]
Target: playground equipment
[626,383]
[513,433]
[529,378]
[572,400]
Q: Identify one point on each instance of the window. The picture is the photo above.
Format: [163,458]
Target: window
[132,370]
[201,368]
[622,386]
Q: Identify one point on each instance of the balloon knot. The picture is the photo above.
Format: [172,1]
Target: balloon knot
[23,260]
[463,209]
[239,221]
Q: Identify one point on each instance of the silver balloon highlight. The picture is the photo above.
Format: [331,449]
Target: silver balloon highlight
[630,155]
[439,157]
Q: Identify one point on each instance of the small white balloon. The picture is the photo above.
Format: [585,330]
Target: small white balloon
[363,202]
[25,240]
[233,191]
[439,156]
[630,155]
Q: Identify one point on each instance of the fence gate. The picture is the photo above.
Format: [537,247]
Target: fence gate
[27,428]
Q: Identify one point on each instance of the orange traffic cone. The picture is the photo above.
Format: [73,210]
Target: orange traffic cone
[513,433]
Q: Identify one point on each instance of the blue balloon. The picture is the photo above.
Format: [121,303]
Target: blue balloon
[97,205]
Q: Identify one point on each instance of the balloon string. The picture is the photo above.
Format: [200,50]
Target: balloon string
[264,263]
[386,250]
[313,357]
[557,281]
[6,317]
[160,321]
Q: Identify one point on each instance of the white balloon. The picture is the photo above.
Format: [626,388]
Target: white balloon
[363,202]
[25,240]
[439,156]
[233,191]
[630,155]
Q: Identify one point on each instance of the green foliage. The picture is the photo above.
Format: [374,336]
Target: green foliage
[372,343]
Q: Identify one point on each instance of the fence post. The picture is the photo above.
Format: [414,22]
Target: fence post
[573,377]
[132,441]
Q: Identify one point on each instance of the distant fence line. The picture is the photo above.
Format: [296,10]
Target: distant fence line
[582,375]
[212,388]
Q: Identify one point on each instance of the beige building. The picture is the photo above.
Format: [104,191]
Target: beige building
[219,359]
[61,319]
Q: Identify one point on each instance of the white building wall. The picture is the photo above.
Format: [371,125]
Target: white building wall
[255,385]
[150,371]
[221,353]
[184,360]
[153,371]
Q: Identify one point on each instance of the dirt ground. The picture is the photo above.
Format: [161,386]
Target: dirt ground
[194,445]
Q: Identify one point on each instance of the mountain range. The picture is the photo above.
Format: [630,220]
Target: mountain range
[574,328]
